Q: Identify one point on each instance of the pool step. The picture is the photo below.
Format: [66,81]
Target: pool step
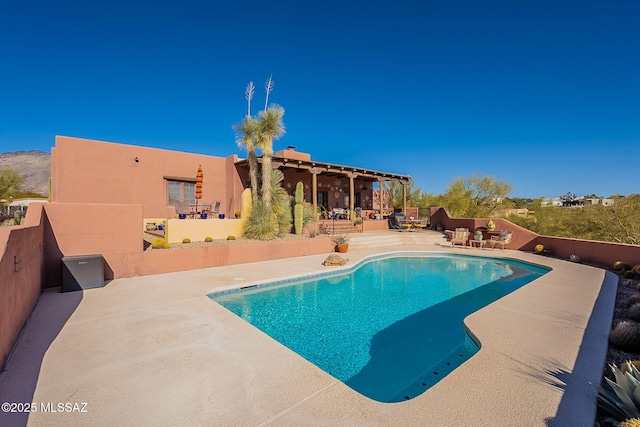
[394,238]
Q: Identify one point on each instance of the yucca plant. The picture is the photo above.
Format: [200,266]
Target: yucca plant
[270,128]
[267,223]
[624,402]
[261,224]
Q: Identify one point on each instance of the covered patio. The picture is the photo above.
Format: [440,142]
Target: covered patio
[335,189]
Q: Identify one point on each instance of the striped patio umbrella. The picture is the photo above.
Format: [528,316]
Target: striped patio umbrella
[199,179]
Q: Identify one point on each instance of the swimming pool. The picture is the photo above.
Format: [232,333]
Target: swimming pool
[391,326]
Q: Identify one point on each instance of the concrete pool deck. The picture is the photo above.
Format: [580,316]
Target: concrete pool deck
[155,350]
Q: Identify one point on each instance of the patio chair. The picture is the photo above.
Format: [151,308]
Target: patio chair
[460,236]
[500,240]
[394,224]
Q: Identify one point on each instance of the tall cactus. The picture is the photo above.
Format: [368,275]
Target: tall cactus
[17,218]
[298,210]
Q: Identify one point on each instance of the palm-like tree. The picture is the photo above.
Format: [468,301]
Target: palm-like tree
[270,128]
[247,138]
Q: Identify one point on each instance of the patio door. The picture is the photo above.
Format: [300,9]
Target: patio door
[323,199]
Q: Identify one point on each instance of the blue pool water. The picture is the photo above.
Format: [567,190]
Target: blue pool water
[389,328]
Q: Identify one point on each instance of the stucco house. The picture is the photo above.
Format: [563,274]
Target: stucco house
[88,171]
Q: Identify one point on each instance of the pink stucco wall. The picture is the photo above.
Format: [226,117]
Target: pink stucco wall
[521,239]
[375,224]
[20,277]
[87,171]
[114,231]
[170,260]
[600,253]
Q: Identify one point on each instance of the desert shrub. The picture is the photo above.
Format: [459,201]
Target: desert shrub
[261,224]
[166,246]
[186,240]
[158,243]
[626,336]
[231,237]
[629,274]
[269,223]
[633,299]
[621,266]
[208,239]
[621,403]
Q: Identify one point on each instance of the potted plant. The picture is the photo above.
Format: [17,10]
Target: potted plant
[491,225]
[478,235]
[342,243]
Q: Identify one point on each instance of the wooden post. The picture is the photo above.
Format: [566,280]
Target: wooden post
[404,198]
[351,196]
[381,184]
[314,192]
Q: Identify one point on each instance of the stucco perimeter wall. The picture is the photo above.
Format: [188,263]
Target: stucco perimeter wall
[169,260]
[20,277]
[522,239]
[87,171]
[112,231]
[602,253]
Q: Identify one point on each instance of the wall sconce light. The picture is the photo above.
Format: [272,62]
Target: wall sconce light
[136,159]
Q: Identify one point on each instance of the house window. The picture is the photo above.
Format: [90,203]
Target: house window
[189,192]
[181,192]
[175,192]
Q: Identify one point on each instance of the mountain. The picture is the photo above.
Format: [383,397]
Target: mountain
[33,165]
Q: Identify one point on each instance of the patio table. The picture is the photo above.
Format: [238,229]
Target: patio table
[477,243]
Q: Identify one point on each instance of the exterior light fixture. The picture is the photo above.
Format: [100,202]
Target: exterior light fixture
[136,159]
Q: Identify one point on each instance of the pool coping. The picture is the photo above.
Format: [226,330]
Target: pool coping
[156,350]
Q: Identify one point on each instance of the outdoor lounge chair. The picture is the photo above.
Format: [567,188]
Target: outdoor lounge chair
[394,224]
[500,240]
[460,236]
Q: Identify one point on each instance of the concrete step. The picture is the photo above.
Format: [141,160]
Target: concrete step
[394,238]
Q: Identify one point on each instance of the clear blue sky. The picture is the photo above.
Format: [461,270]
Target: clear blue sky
[543,94]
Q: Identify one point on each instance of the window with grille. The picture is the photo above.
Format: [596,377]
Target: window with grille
[181,192]
[175,190]
[189,192]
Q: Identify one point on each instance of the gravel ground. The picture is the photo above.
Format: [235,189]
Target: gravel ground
[149,237]
[626,287]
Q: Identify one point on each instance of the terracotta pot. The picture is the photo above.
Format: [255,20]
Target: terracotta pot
[343,248]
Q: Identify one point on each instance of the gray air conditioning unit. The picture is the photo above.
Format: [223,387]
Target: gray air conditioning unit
[82,272]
